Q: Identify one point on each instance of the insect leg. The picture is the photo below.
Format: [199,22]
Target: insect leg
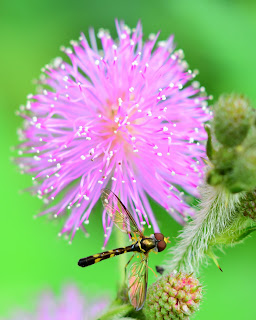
[152,271]
[142,250]
[125,268]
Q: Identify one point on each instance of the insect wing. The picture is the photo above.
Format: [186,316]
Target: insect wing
[138,282]
[121,217]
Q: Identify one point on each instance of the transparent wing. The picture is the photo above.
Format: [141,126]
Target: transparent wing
[121,217]
[138,281]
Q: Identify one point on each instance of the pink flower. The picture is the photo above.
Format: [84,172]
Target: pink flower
[71,305]
[125,116]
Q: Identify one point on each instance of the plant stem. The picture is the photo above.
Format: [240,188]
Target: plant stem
[117,312]
[217,212]
[122,259]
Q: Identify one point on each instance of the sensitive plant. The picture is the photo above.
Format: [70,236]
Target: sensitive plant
[128,116]
[227,210]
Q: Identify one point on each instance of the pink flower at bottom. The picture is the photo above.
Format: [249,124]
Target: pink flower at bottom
[126,117]
[72,305]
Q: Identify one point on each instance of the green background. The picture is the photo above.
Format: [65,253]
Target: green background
[218,38]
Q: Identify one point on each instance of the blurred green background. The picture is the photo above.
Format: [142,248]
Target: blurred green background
[218,38]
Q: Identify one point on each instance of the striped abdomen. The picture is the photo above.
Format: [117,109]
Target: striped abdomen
[85,262]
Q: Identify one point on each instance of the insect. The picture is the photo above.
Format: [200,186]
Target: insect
[137,273]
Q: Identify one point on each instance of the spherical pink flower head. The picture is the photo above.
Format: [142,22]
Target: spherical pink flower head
[72,304]
[126,117]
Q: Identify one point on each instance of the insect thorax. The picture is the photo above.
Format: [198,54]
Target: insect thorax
[146,244]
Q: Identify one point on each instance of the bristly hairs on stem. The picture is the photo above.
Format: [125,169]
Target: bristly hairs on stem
[217,212]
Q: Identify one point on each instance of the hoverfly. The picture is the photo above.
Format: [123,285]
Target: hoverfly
[137,276]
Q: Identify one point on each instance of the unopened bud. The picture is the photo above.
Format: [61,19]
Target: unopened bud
[242,177]
[173,296]
[233,117]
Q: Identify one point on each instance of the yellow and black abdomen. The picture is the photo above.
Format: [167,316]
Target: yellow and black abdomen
[85,262]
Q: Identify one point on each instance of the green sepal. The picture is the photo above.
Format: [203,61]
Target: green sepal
[210,253]
[245,233]
[240,228]
[209,147]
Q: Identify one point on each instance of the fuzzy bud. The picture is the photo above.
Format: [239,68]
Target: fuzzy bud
[233,116]
[233,156]
[234,168]
[242,177]
[173,296]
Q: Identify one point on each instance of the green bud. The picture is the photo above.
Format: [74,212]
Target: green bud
[183,297]
[187,297]
[235,168]
[167,287]
[181,294]
[164,311]
[243,175]
[233,117]
[172,292]
[165,296]
[222,164]
[172,300]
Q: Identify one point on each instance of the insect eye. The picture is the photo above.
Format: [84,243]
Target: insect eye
[159,236]
[161,245]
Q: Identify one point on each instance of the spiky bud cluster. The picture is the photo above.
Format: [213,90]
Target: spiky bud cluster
[173,296]
[232,119]
[249,205]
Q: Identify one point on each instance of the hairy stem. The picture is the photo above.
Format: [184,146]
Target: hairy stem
[217,212]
